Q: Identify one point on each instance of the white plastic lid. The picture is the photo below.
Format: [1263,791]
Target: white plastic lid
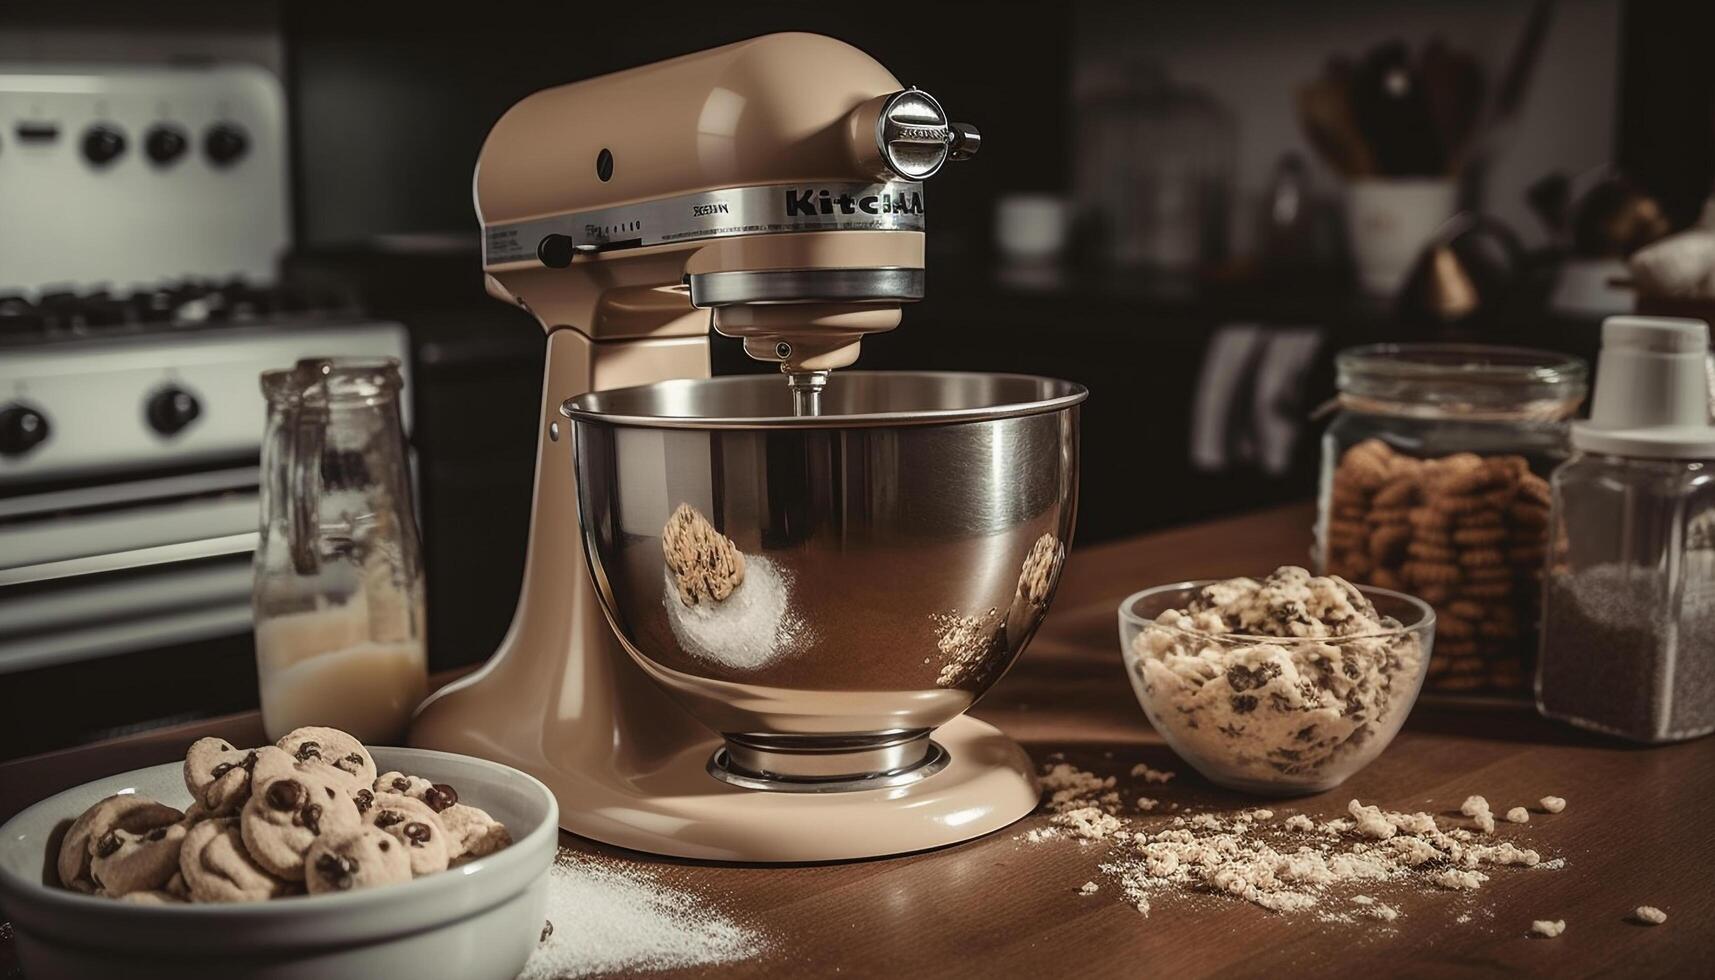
[1652,391]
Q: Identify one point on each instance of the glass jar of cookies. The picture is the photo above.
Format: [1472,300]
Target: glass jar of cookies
[1434,484]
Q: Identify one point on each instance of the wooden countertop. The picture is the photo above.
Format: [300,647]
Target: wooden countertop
[1633,832]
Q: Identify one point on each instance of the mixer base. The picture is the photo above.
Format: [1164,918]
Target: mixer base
[679,810]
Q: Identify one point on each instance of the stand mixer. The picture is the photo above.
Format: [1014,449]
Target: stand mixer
[826,572]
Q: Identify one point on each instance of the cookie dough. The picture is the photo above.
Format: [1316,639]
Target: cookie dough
[361,858]
[286,815]
[1036,578]
[123,811]
[217,868]
[472,833]
[333,748]
[705,564]
[1269,709]
[438,796]
[126,862]
[414,825]
[218,775]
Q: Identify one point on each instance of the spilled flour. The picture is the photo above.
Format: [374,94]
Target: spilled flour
[612,918]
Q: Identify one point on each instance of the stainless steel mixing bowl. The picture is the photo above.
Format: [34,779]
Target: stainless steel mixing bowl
[897,551]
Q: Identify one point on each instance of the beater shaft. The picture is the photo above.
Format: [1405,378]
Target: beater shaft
[806,391]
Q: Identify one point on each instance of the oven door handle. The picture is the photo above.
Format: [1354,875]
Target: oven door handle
[229,544]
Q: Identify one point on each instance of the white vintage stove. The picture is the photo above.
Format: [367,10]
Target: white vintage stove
[143,212]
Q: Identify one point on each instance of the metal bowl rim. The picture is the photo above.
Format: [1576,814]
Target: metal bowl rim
[1070,394]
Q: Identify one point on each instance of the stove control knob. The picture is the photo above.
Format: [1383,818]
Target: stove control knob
[21,429]
[171,409]
[164,144]
[102,144]
[224,143]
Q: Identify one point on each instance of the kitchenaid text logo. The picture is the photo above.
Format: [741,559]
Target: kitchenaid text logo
[809,203]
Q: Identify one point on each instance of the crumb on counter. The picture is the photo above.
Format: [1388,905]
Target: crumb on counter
[1650,915]
[1518,814]
[1477,808]
[1553,804]
[1370,821]
[1458,879]
[1087,823]
[1152,775]
[1548,928]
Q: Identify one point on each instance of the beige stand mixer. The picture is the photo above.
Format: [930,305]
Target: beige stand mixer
[754,612]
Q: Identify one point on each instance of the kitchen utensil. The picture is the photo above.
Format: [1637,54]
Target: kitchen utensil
[338,592]
[1393,114]
[1236,764]
[771,188]
[479,921]
[1452,84]
[1628,640]
[1325,113]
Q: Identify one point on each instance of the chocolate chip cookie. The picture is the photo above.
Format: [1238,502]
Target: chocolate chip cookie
[414,825]
[361,858]
[123,811]
[286,815]
[126,862]
[217,868]
[218,775]
[333,748]
[438,796]
[472,833]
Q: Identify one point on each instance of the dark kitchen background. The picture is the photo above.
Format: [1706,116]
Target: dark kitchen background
[1160,211]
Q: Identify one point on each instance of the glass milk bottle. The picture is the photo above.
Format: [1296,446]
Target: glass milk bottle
[1628,644]
[338,593]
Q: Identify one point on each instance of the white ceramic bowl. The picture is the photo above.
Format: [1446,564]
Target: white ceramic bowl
[476,921]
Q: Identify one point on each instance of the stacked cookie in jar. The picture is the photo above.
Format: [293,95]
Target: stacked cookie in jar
[1434,484]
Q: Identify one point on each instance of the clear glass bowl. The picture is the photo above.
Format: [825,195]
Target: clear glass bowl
[1270,715]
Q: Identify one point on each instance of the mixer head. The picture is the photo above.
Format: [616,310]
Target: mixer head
[773,188]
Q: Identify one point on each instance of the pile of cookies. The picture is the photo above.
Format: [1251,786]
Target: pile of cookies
[307,814]
[1466,533]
